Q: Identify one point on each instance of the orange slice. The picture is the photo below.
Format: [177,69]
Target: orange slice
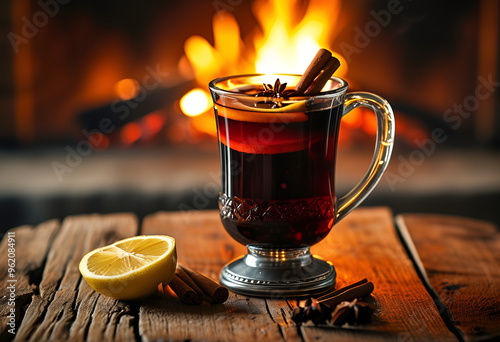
[278,115]
[283,146]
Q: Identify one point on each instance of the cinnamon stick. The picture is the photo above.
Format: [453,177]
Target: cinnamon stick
[343,289]
[190,284]
[185,293]
[323,76]
[317,73]
[214,293]
[347,295]
[318,62]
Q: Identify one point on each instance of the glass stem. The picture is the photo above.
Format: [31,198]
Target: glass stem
[278,257]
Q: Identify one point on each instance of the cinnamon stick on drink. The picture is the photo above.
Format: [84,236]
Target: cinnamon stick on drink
[317,73]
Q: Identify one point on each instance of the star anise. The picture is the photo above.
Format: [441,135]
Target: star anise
[352,313]
[337,307]
[275,94]
[312,310]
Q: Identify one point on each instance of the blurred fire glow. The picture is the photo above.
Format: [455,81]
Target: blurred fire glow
[130,133]
[290,33]
[127,88]
[145,129]
[196,102]
[153,122]
[284,44]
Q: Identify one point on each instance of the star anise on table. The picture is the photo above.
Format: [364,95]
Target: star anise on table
[338,307]
[353,313]
[312,310]
[276,94]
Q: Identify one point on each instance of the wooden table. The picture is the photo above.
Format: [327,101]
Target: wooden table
[436,278]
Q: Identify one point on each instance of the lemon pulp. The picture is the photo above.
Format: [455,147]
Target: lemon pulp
[131,268]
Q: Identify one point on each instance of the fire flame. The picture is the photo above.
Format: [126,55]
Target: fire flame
[285,44]
[288,46]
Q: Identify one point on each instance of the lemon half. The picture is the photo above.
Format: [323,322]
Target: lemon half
[131,268]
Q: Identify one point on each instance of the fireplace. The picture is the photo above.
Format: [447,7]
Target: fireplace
[98,79]
[73,62]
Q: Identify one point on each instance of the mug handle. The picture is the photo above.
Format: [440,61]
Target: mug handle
[383,149]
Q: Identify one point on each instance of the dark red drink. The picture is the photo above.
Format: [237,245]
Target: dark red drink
[278,173]
[278,149]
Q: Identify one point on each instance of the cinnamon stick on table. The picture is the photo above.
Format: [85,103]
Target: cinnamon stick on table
[193,287]
[343,289]
[214,293]
[317,73]
[185,293]
[188,284]
[349,293]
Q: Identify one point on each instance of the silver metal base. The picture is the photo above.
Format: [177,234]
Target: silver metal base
[278,273]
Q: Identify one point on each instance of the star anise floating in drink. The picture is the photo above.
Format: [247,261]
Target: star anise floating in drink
[276,94]
[312,81]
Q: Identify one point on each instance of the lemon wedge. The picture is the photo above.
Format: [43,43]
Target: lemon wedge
[131,268]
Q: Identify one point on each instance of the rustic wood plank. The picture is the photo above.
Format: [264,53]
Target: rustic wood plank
[365,244]
[30,248]
[112,320]
[281,314]
[66,307]
[203,244]
[460,259]
[239,319]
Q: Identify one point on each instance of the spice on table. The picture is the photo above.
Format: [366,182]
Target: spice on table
[312,310]
[352,313]
[359,289]
[338,307]
[185,293]
[213,292]
[192,287]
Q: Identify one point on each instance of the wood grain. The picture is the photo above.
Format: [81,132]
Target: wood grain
[239,319]
[31,249]
[204,246]
[65,305]
[460,259]
[365,244]
[60,306]
[202,242]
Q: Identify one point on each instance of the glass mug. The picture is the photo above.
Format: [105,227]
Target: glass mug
[278,179]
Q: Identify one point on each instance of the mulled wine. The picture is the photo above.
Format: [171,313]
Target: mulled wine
[277,173]
[278,149]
